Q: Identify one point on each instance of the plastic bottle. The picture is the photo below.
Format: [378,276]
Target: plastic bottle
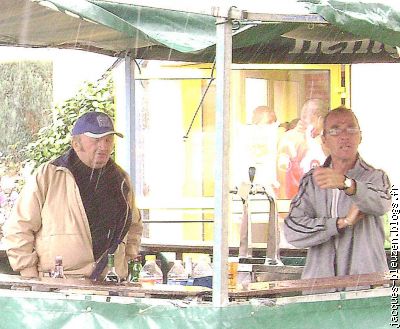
[189,266]
[203,272]
[134,268]
[177,274]
[111,275]
[151,272]
[58,268]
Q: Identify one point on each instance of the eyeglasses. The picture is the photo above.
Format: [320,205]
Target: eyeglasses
[338,131]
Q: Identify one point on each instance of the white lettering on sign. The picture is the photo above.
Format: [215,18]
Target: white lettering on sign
[343,47]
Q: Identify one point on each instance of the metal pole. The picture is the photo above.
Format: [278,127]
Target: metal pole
[126,117]
[222,175]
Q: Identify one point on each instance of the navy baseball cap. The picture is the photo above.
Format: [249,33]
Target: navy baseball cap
[94,124]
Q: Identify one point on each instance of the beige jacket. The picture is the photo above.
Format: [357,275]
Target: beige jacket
[49,219]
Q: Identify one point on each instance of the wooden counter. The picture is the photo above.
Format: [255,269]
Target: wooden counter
[179,249]
[255,290]
[88,287]
[265,289]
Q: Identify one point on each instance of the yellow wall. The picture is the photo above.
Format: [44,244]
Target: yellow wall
[200,146]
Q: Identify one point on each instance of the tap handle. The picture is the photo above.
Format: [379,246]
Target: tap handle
[252,172]
[234,190]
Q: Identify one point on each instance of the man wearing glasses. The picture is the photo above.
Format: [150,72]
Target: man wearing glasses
[337,212]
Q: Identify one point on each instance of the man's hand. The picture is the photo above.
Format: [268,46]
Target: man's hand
[328,178]
[353,217]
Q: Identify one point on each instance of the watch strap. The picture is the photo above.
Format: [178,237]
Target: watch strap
[344,186]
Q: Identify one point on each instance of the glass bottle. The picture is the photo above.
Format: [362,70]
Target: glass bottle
[58,268]
[111,275]
[177,274]
[151,272]
[134,268]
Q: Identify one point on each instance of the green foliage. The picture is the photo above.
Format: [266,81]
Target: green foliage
[54,139]
[25,91]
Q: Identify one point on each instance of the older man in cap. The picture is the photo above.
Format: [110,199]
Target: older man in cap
[79,206]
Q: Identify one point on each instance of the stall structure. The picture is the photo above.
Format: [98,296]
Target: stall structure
[314,32]
[55,303]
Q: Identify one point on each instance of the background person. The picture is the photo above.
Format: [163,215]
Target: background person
[79,206]
[338,210]
[262,146]
[299,149]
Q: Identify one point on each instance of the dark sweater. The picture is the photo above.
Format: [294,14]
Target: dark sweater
[104,194]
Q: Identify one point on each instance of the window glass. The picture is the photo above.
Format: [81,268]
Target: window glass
[176,144]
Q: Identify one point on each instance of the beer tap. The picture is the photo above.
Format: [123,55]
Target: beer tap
[272,253]
[245,247]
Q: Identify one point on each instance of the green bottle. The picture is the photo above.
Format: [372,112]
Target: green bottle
[111,275]
[134,268]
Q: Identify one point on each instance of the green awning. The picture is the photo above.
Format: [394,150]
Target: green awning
[184,32]
[375,20]
[357,32]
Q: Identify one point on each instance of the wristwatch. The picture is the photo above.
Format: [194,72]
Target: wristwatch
[347,183]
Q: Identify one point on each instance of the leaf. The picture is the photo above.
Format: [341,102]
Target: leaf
[54,139]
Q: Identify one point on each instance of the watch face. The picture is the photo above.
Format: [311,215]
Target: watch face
[347,182]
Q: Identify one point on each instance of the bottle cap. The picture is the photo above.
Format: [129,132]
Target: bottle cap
[58,260]
[150,257]
[205,258]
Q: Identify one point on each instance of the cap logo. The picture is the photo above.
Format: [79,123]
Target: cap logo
[103,121]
